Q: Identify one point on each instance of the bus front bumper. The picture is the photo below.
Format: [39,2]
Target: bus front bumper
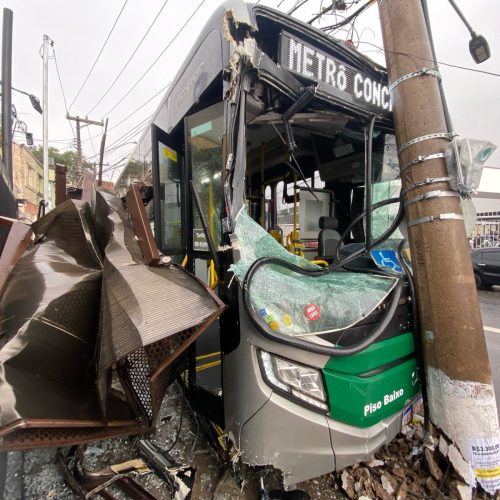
[304,444]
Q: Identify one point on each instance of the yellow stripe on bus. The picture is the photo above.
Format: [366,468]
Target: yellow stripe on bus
[207,365]
[205,356]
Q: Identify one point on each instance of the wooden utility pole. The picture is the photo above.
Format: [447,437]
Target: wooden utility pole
[459,384]
[101,153]
[79,121]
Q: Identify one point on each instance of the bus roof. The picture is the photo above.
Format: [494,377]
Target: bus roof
[210,54]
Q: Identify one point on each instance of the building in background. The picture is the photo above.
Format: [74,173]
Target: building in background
[28,181]
[487,202]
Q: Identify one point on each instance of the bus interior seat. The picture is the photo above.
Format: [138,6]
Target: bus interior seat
[277,233]
[328,237]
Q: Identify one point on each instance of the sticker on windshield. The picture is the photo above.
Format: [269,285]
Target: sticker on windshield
[312,312]
[387,259]
[170,153]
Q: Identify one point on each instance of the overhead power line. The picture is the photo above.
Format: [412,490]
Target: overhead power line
[129,59]
[465,68]
[126,117]
[91,141]
[98,55]
[62,89]
[141,106]
[348,19]
[131,132]
[155,61]
[297,6]
[128,135]
[118,163]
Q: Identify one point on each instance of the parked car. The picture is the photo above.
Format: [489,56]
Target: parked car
[486,264]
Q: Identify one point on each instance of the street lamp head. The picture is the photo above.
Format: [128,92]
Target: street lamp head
[479,48]
[35,102]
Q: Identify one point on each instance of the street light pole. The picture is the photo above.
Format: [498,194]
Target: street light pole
[7,93]
[46,191]
[458,377]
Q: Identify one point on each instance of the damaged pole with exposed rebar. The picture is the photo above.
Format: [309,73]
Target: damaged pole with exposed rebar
[458,377]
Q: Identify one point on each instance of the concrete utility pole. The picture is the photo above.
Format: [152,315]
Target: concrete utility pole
[459,384]
[79,121]
[46,192]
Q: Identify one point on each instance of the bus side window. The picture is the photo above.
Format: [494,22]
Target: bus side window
[170,197]
[204,146]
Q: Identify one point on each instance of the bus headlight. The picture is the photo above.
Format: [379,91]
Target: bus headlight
[298,381]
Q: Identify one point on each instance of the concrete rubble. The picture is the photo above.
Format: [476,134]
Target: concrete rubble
[405,469]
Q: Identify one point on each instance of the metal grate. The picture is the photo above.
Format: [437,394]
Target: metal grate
[139,371]
[143,363]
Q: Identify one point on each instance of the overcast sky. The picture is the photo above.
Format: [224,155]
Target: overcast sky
[79,29]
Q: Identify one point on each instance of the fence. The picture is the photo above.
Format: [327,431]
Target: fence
[486,233]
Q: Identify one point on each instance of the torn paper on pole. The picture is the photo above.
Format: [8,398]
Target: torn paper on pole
[466,412]
[484,455]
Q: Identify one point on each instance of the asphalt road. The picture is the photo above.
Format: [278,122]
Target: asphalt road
[490,310]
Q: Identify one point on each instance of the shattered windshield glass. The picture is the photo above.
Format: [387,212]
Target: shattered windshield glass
[298,305]
[386,183]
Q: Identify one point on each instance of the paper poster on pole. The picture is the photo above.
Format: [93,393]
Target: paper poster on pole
[484,455]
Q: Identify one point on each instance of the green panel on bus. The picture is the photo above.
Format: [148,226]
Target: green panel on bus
[373,384]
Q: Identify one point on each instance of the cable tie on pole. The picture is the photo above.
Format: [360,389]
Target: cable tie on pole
[437,135]
[432,218]
[430,195]
[421,159]
[413,74]
[427,181]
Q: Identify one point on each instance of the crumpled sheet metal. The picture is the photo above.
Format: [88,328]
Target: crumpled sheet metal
[55,341]
[297,305]
[142,305]
[71,228]
[49,315]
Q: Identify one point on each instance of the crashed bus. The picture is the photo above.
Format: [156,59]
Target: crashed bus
[253,247]
[275,181]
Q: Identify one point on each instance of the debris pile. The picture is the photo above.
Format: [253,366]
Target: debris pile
[413,465]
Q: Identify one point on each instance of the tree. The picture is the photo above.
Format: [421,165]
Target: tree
[67,158]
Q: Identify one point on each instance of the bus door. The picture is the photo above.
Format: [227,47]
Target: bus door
[204,160]
[169,195]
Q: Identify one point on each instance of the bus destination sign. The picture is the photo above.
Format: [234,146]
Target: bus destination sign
[335,77]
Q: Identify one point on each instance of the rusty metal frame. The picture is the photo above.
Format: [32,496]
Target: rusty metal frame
[17,241]
[61,195]
[139,218]
[93,484]
[88,187]
[27,438]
